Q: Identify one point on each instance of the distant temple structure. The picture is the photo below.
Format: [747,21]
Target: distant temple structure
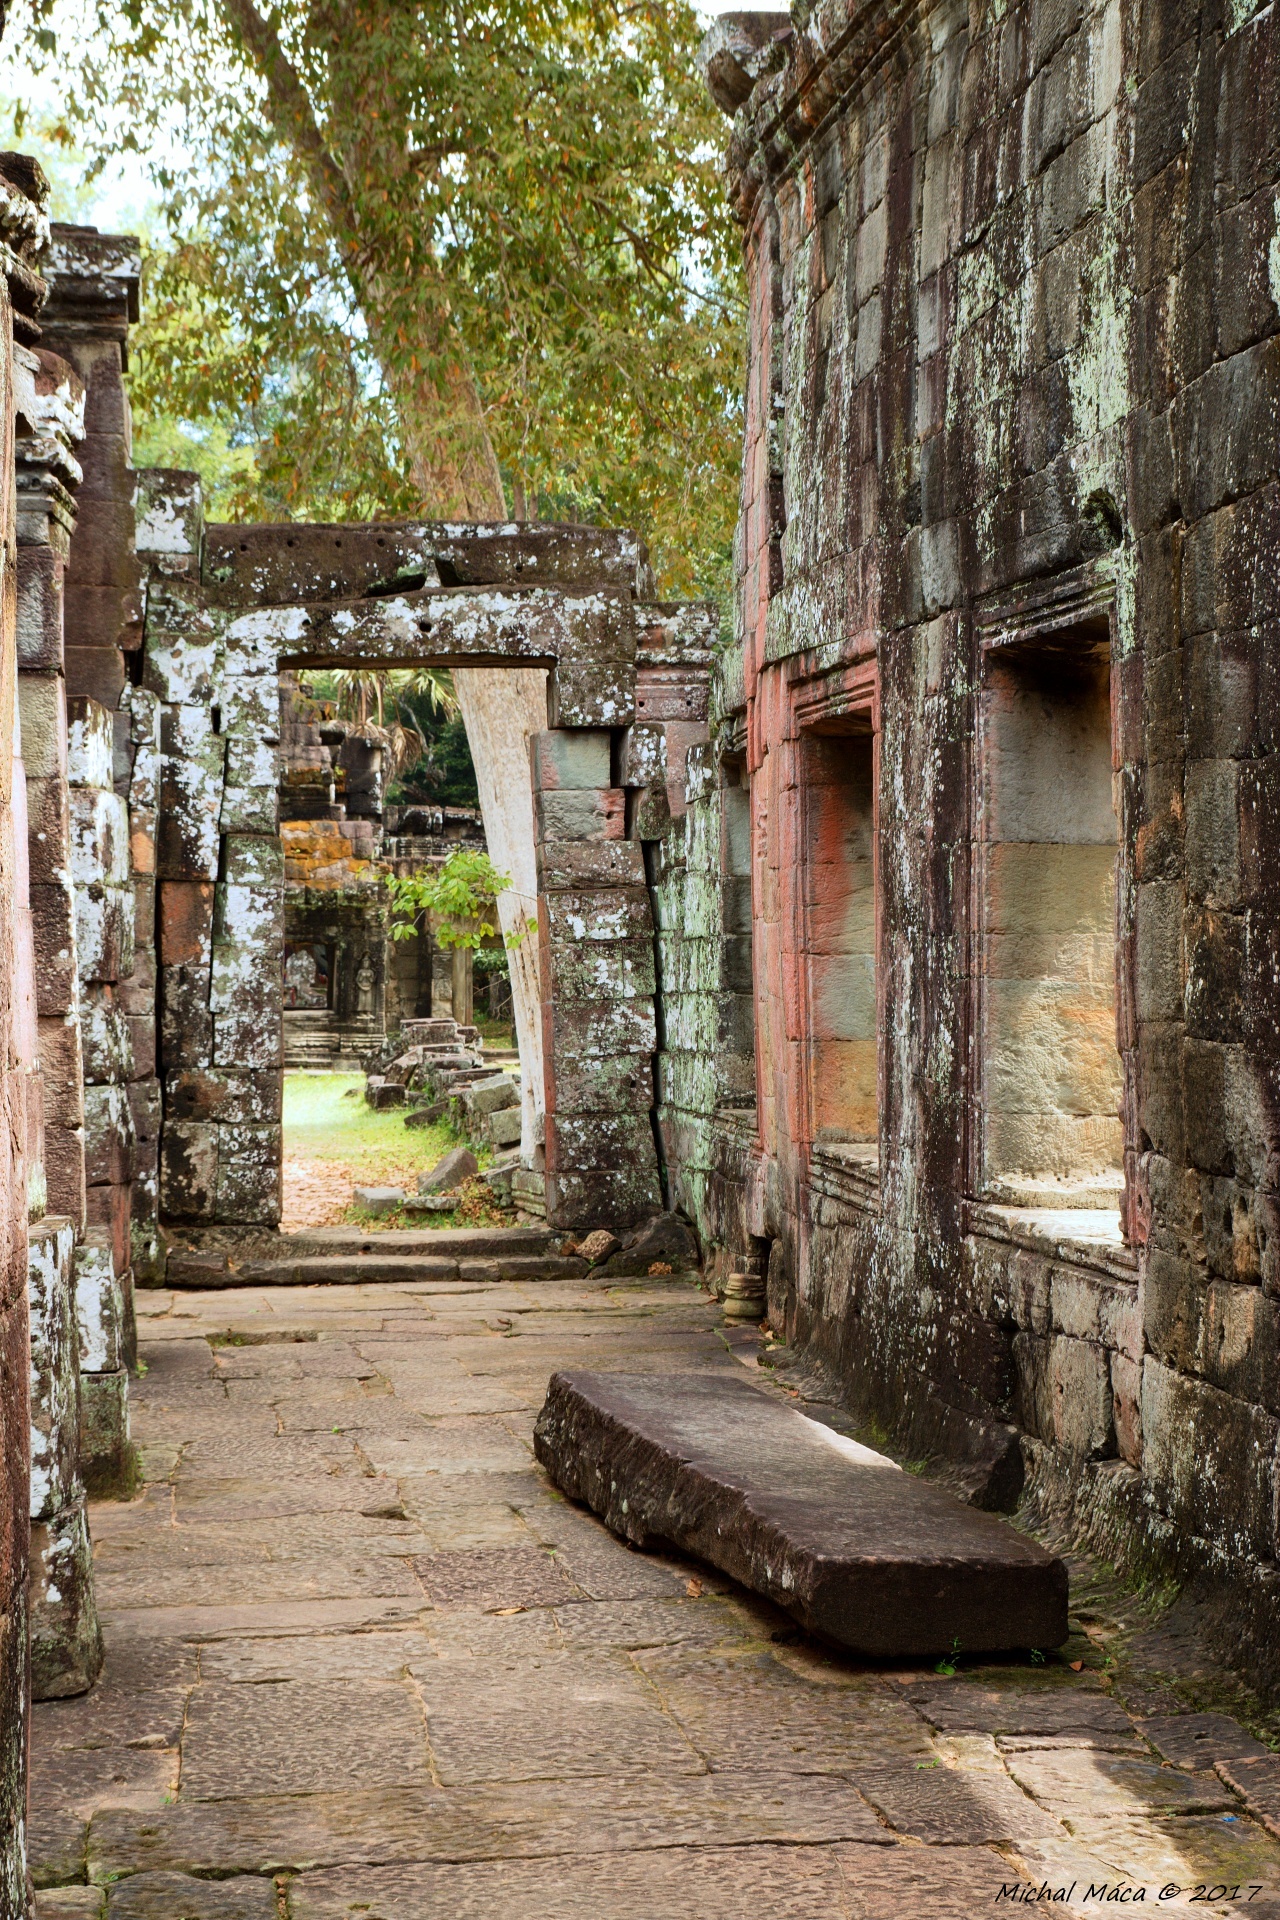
[347,982]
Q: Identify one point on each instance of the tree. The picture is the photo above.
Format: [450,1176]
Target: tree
[439,259]
[458,896]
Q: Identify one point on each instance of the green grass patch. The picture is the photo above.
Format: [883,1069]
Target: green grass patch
[326,1118]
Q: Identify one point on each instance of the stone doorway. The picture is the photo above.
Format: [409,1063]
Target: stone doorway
[561,610]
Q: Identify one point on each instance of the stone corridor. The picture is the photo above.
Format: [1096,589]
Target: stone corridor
[363,1660]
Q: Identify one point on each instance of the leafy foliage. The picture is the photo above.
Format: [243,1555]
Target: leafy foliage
[428,256]
[459,895]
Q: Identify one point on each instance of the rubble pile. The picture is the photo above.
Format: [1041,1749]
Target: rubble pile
[437,1070]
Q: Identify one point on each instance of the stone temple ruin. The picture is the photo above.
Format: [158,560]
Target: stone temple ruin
[916,942]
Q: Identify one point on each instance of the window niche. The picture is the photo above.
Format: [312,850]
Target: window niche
[736,1056]
[840,909]
[1051,1075]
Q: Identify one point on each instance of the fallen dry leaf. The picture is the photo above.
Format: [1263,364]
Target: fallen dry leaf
[694,1589]
[1076,1665]
[660,1266]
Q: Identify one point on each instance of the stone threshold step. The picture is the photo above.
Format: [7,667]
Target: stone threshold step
[859,1551]
[350,1256]
[364,1269]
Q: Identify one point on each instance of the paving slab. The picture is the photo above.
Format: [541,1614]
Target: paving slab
[646,1737]
[945,1806]
[1200,1740]
[486,1821]
[733,1883]
[873,1558]
[300,1737]
[178,1896]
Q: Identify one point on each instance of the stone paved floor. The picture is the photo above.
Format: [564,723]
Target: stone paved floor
[363,1660]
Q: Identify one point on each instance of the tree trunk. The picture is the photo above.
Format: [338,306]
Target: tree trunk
[457,475]
[501,707]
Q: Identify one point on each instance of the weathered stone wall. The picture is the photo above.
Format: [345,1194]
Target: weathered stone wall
[24,237]
[219,876]
[92,973]
[1010,409]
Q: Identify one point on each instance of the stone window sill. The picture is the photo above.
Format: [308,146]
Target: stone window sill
[1091,1235]
[847,1170]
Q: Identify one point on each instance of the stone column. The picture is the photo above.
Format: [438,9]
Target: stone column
[595,943]
[105,905]
[66,1643]
[220,875]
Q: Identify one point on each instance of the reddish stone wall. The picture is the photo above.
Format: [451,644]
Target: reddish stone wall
[1010,396]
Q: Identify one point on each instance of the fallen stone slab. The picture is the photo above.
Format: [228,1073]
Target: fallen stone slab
[458,1164]
[857,1550]
[378,1200]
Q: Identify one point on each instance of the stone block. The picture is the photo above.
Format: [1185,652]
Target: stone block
[249,799]
[504,1129]
[248,1189]
[38,627]
[491,1097]
[1208,1460]
[1080,1382]
[1173,1309]
[224,1094]
[48,830]
[108,1135]
[66,1639]
[457,1165]
[589,863]
[598,1082]
[182,644]
[61,1069]
[594,693]
[188,1169]
[621,1197]
[142,840]
[141,1032]
[94,673]
[185,923]
[90,745]
[666,1240]
[378,1200]
[105,924]
[1033,1391]
[107,1458]
[109,1208]
[186,1024]
[146,1107]
[582,814]
[602,913]
[54,935]
[621,971]
[55,1367]
[580,1143]
[564,760]
[1126,1389]
[644,756]
[100,1305]
[720,1470]
[191,777]
[98,838]
[247,919]
[169,514]
[105,1038]
[42,713]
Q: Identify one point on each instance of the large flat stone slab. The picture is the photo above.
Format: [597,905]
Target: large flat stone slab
[856,1549]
